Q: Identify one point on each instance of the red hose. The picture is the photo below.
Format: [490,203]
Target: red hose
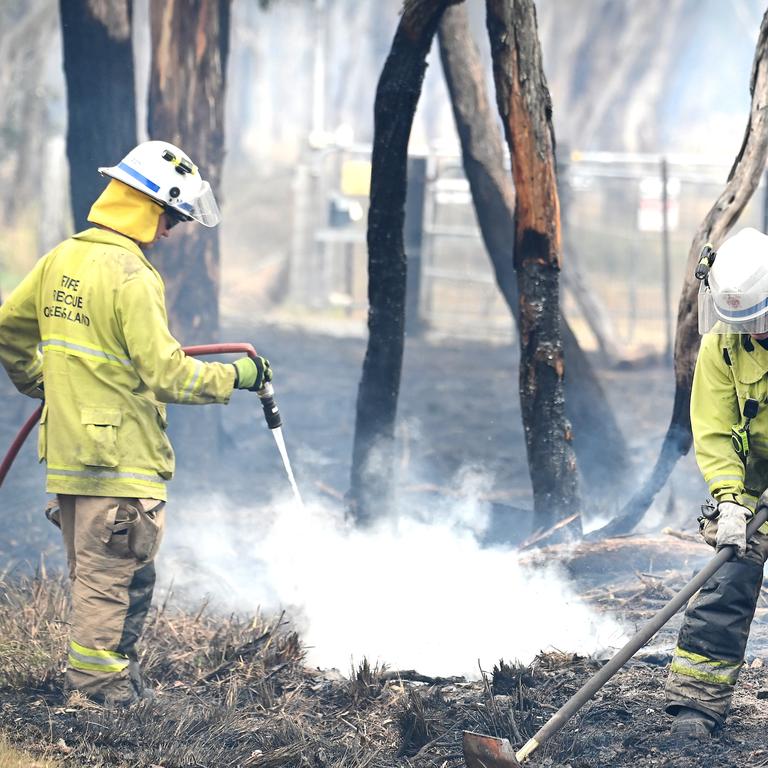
[221,349]
[18,442]
[194,351]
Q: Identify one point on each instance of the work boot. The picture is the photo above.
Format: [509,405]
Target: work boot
[143,691]
[692,724]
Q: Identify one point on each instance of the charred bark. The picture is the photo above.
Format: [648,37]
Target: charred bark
[101,101]
[397,94]
[742,182]
[190,44]
[597,441]
[526,112]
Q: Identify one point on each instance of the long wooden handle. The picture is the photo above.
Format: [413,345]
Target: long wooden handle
[600,678]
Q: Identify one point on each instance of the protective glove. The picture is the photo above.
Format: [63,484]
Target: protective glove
[252,374]
[732,526]
[38,392]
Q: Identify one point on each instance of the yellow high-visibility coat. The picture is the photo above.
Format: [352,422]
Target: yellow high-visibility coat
[89,323]
[728,373]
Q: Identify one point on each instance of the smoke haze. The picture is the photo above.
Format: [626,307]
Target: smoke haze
[409,593]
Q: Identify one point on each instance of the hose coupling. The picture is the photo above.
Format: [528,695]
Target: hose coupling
[271,411]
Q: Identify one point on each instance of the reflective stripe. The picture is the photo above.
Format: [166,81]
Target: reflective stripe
[79,348]
[139,176]
[724,479]
[702,668]
[735,314]
[95,659]
[105,475]
[189,386]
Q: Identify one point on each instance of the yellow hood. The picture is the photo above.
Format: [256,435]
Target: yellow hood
[128,211]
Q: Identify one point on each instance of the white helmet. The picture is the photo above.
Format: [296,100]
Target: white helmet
[163,172]
[734,296]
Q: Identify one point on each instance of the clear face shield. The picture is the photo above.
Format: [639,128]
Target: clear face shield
[202,207]
[732,312]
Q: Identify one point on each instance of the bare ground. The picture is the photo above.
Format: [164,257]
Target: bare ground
[458,408]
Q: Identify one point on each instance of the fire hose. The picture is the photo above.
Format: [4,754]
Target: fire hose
[266,396]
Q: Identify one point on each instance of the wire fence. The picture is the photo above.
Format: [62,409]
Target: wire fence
[628,222]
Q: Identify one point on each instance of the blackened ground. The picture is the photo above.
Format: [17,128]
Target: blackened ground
[236,693]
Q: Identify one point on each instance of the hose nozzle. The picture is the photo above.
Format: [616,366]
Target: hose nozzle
[271,411]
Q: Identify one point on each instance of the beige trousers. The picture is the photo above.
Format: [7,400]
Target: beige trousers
[111,544]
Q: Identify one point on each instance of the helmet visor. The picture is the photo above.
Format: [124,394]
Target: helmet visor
[202,208]
[732,312]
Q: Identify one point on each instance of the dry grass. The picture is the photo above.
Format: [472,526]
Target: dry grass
[231,692]
[33,634]
[236,692]
[14,758]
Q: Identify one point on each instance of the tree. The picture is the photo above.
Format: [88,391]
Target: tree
[101,102]
[598,442]
[613,68]
[190,44]
[526,111]
[742,182]
[397,94]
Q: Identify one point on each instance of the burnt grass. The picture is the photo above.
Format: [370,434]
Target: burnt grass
[235,691]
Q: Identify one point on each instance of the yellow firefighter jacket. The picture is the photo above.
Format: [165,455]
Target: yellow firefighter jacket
[90,320]
[728,373]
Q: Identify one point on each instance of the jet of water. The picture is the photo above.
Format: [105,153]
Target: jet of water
[277,433]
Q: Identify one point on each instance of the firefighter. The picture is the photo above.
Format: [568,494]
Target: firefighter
[729,418]
[87,331]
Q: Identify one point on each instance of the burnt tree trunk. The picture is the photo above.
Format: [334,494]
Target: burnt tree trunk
[190,44]
[742,182]
[526,112]
[598,442]
[397,94]
[101,101]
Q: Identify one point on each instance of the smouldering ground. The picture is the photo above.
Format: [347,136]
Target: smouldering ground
[236,692]
[458,408]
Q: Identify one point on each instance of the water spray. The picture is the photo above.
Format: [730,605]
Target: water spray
[266,397]
[275,423]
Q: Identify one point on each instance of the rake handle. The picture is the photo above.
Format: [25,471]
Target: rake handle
[600,678]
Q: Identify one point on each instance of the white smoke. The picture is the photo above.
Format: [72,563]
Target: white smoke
[412,593]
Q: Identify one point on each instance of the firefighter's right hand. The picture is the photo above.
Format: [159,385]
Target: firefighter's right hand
[252,374]
[732,526]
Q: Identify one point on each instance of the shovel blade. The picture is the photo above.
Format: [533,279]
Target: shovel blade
[482,751]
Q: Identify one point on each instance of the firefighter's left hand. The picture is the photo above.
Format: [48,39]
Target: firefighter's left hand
[732,526]
[36,390]
[252,374]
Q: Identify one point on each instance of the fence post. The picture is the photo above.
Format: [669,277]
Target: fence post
[665,281]
[765,201]
[413,237]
